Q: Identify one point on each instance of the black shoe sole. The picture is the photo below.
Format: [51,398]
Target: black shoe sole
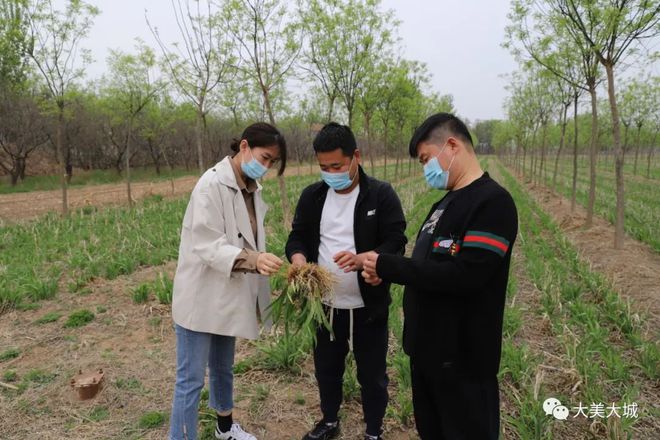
[329,436]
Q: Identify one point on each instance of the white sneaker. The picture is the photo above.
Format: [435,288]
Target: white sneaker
[235,433]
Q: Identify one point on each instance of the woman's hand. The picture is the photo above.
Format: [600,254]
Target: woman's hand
[268,264]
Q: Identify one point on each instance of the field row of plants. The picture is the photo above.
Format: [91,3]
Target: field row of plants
[91,177]
[642,203]
[605,164]
[600,352]
[52,253]
[604,353]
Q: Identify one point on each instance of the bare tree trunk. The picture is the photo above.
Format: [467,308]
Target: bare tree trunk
[532,154]
[593,156]
[544,141]
[530,178]
[367,126]
[650,156]
[171,168]
[575,152]
[532,158]
[284,200]
[562,118]
[385,155]
[269,109]
[331,103]
[618,164]
[17,170]
[60,157]
[21,167]
[637,146]
[396,167]
[68,170]
[128,164]
[198,139]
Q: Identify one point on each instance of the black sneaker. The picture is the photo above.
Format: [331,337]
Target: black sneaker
[373,437]
[323,431]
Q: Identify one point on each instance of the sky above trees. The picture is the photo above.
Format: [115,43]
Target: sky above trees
[458,40]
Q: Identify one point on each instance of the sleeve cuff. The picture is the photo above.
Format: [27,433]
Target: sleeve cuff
[386,267]
[246,261]
[294,252]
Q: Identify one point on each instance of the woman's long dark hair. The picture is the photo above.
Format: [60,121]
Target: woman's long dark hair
[262,134]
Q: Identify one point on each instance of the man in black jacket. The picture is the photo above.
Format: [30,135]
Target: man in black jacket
[455,287]
[337,221]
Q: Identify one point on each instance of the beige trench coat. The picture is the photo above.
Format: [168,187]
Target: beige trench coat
[208,297]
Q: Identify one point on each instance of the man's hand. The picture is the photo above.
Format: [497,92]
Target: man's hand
[349,261]
[298,259]
[268,264]
[369,269]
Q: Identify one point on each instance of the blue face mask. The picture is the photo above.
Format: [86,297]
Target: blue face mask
[253,169]
[338,181]
[436,177]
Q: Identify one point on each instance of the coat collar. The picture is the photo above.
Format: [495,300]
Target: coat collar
[226,176]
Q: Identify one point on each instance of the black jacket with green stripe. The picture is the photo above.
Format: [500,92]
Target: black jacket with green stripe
[454,296]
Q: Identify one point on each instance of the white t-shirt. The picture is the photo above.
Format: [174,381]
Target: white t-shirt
[337,235]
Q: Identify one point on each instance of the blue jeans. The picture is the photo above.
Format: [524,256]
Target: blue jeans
[194,351]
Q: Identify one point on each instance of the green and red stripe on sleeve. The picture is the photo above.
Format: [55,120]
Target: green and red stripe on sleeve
[486,240]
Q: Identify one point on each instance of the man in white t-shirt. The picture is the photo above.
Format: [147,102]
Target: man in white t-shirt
[337,221]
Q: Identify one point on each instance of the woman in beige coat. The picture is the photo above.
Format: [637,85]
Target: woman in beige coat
[221,284]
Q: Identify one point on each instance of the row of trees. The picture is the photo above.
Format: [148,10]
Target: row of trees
[295,64]
[569,49]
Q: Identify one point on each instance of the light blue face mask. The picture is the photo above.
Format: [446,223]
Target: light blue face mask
[338,181]
[253,169]
[436,177]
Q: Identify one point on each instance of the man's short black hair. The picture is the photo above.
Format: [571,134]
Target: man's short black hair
[439,126]
[333,136]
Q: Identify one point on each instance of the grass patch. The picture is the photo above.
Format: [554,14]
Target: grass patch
[9,376]
[10,353]
[163,287]
[49,317]
[141,294]
[151,420]
[129,383]
[98,414]
[38,376]
[79,318]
